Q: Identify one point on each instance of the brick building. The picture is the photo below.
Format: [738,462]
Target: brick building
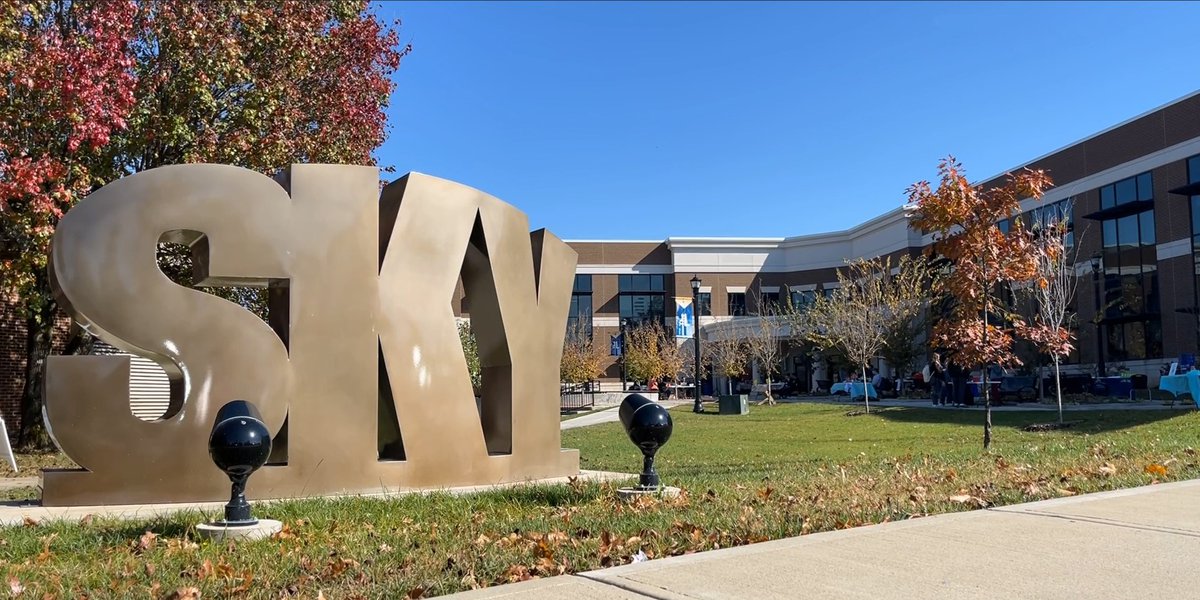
[1133,193]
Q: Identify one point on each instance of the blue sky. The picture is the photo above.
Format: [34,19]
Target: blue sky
[648,120]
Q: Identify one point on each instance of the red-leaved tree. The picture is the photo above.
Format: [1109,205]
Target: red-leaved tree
[984,260]
[97,89]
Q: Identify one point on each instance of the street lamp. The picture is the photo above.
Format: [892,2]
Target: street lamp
[1096,265]
[621,336]
[696,340]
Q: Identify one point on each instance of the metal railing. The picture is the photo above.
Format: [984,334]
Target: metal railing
[577,396]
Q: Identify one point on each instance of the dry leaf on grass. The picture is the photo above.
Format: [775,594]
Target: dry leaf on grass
[145,542]
[14,586]
[187,593]
[969,499]
[1156,470]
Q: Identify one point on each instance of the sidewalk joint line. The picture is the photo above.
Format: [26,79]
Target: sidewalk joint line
[618,583]
[1099,521]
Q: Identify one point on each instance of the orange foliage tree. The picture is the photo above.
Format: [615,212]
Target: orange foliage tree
[963,219]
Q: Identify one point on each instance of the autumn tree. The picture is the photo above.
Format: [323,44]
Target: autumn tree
[963,218]
[727,356]
[642,353]
[582,359]
[1052,292]
[861,315]
[98,89]
[470,346]
[762,344]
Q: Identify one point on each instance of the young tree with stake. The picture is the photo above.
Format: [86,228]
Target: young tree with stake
[963,218]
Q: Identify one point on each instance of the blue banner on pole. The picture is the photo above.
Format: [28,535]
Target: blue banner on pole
[685,318]
[614,345]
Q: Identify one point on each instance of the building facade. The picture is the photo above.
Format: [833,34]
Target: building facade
[1131,195]
[1130,192]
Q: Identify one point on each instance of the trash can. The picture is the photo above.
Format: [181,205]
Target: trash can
[733,405]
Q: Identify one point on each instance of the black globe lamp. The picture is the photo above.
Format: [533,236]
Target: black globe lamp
[240,443]
[649,426]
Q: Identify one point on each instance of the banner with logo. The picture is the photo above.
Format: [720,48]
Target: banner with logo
[685,318]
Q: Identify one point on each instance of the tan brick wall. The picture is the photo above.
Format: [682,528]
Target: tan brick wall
[622,253]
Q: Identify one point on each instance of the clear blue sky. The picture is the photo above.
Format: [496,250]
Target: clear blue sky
[642,121]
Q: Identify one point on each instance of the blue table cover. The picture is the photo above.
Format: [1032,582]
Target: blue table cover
[854,389]
[1178,384]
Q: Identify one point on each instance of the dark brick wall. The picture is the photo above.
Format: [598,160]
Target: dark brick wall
[12,359]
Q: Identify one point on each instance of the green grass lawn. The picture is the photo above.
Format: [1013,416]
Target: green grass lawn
[780,471]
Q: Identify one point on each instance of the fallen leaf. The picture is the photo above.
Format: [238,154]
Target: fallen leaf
[45,554]
[1108,470]
[187,593]
[146,542]
[206,569]
[29,522]
[14,586]
[1156,469]
[417,592]
[86,520]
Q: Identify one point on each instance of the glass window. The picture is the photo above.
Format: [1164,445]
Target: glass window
[1126,191]
[1133,330]
[737,304]
[705,300]
[802,299]
[1145,186]
[640,283]
[1127,230]
[642,307]
[580,313]
[1147,227]
[583,284]
[770,301]
[1107,199]
[1004,226]
[1193,165]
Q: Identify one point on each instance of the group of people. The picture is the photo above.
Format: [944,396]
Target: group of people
[947,383]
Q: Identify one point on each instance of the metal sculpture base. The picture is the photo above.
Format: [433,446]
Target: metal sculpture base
[220,531]
[633,493]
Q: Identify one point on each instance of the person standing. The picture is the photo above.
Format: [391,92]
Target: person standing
[937,380]
[960,393]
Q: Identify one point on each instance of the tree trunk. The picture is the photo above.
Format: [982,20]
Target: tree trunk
[39,329]
[987,408]
[1058,389]
[866,390]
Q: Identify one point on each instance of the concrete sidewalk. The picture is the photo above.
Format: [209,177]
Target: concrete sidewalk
[1136,543]
[609,414]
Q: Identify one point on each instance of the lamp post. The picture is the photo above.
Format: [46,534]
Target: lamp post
[1096,264]
[621,336]
[696,340]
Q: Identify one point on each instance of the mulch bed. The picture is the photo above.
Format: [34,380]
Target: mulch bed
[1050,426]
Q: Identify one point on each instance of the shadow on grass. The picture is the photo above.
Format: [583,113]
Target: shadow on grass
[1086,422]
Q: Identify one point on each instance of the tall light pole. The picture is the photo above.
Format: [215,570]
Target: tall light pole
[696,339]
[621,336]
[1100,368]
